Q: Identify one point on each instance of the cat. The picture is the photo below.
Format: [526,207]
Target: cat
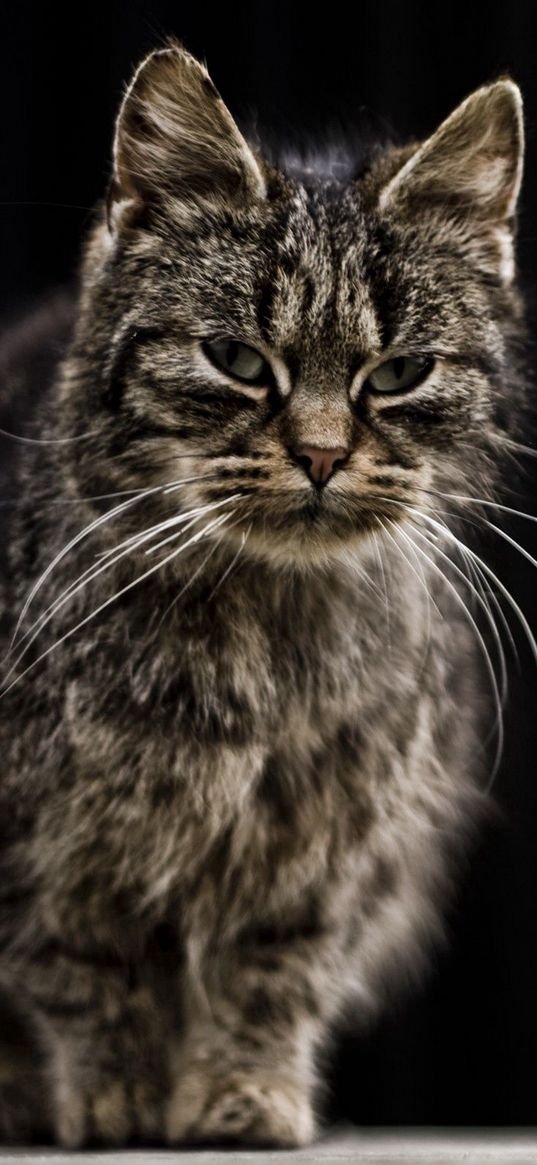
[243,705]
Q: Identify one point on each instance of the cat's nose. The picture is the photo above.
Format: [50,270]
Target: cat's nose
[319,464]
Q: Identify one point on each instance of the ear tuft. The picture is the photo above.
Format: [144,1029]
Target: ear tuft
[473,163]
[175,136]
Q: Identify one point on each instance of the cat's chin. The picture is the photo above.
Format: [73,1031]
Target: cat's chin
[305,544]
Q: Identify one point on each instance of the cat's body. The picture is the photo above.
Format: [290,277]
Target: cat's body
[228,797]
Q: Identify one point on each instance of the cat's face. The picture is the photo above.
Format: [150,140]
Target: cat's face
[306,352]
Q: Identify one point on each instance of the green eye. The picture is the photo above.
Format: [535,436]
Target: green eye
[239,361]
[400,374]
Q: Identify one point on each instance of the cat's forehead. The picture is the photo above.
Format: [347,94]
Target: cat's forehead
[347,278]
[294,271]
[317,293]
[318,274]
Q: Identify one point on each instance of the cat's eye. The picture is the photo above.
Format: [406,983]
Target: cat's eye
[399,374]
[239,361]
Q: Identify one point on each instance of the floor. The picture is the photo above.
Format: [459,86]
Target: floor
[371,1147]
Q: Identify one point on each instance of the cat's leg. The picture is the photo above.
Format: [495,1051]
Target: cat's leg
[245,1069]
[104,1037]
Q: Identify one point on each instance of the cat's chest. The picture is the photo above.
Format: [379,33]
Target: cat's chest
[215,717]
[246,673]
[233,769]
[239,727]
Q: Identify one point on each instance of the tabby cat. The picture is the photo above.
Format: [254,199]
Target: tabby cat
[241,715]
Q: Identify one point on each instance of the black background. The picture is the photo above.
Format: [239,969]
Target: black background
[461,1048]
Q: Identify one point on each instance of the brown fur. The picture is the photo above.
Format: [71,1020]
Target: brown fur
[230,784]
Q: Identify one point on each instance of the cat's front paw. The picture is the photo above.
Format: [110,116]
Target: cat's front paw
[111,1115]
[256,1108]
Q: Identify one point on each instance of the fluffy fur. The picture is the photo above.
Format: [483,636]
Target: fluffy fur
[232,775]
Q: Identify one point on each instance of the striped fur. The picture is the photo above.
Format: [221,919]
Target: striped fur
[229,796]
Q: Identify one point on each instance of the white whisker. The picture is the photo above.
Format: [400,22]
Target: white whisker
[48,440]
[446,532]
[199,512]
[482,645]
[188,584]
[70,545]
[179,519]
[102,606]
[139,495]
[481,580]
[488,592]
[384,583]
[197,572]
[235,558]
[78,501]
[483,502]
[421,579]
[482,603]
[87,577]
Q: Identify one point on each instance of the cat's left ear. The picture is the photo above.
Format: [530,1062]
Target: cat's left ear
[471,166]
[176,138]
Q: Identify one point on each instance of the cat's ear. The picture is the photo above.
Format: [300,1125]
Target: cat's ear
[472,165]
[175,136]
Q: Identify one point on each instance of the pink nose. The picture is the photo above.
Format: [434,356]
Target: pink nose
[319,464]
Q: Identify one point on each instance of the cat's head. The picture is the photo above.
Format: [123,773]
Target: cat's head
[306,348]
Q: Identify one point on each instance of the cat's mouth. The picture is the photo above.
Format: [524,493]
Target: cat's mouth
[306,524]
[310,524]
[313,508]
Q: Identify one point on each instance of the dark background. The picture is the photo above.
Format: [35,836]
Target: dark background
[462,1047]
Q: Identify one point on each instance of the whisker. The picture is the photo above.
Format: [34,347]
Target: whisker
[103,518]
[113,598]
[484,607]
[48,440]
[483,647]
[66,550]
[188,584]
[197,513]
[482,502]
[235,559]
[136,540]
[508,597]
[489,595]
[512,541]
[75,501]
[196,574]
[158,527]
[378,556]
[83,580]
[477,573]
[421,579]
[445,531]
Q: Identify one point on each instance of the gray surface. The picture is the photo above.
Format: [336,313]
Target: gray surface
[372,1146]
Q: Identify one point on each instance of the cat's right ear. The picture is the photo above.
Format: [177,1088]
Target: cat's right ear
[175,138]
